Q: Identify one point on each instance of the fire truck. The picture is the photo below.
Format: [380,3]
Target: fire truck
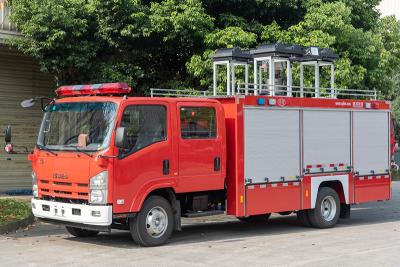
[105,160]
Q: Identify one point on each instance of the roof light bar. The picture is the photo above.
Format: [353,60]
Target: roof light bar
[94,89]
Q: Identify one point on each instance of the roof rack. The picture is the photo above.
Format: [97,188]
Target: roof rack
[266,90]
[160,92]
[302,92]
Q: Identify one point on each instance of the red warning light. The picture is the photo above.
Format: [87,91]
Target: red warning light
[94,89]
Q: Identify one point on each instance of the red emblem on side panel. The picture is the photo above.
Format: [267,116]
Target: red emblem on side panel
[282,102]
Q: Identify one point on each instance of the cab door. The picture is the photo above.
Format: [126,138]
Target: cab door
[200,147]
[148,159]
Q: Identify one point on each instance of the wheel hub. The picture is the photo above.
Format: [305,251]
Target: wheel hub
[328,208]
[156,222]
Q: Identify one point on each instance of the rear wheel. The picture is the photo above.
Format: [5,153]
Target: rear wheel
[153,225]
[78,232]
[327,209]
[255,218]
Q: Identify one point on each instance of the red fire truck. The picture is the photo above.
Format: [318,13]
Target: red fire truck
[104,160]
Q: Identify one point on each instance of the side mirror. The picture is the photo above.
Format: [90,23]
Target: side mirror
[28,103]
[7,134]
[120,137]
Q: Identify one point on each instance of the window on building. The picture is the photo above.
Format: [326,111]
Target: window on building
[198,122]
[145,125]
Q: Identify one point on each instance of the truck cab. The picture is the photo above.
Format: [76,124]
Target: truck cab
[100,160]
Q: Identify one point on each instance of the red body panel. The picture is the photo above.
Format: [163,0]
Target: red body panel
[235,160]
[372,188]
[268,198]
[306,193]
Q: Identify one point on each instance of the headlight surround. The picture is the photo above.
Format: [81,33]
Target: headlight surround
[99,188]
[35,191]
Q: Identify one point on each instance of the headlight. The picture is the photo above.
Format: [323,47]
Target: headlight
[34,185]
[99,188]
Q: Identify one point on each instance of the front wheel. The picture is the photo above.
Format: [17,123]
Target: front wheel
[78,232]
[153,225]
[327,209]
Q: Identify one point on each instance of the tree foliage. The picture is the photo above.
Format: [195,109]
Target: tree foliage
[167,43]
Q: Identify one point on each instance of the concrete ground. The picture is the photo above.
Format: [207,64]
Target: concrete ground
[370,238]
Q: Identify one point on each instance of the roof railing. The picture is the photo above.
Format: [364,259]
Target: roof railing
[273,90]
[301,91]
[154,92]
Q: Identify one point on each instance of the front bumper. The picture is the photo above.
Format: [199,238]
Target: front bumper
[72,213]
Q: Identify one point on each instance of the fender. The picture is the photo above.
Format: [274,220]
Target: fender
[317,180]
[147,188]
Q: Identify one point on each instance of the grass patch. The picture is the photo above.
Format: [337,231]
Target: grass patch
[13,210]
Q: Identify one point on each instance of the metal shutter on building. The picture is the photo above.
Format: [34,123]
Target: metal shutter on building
[20,78]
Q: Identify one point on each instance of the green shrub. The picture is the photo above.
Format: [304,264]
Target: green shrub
[13,210]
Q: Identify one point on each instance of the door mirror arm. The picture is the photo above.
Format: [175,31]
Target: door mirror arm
[9,148]
[7,134]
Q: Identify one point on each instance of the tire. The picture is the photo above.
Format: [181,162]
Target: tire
[255,218]
[302,216]
[78,232]
[154,224]
[327,209]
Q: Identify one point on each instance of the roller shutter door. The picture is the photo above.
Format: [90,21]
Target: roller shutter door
[327,137]
[371,142]
[20,78]
[272,144]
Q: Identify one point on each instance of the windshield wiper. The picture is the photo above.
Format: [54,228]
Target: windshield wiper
[46,149]
[79,150]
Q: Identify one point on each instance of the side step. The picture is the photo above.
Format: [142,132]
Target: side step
[203,213]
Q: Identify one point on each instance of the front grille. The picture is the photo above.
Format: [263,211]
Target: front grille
[62,183]
[63,190]
[64,200]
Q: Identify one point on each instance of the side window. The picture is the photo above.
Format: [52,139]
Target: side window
[198,122]
[145,125]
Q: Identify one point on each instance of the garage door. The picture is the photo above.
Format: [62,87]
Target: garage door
[20,78]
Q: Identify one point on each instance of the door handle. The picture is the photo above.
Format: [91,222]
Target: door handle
[165,166]
[217,164]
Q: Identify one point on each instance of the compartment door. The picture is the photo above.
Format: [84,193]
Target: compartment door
[371,142]
[272,144]
[327,139]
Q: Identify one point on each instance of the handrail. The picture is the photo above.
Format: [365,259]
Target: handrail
[302,91]
[272,90]
[181,93]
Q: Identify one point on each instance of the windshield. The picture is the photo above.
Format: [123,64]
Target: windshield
[87,125]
